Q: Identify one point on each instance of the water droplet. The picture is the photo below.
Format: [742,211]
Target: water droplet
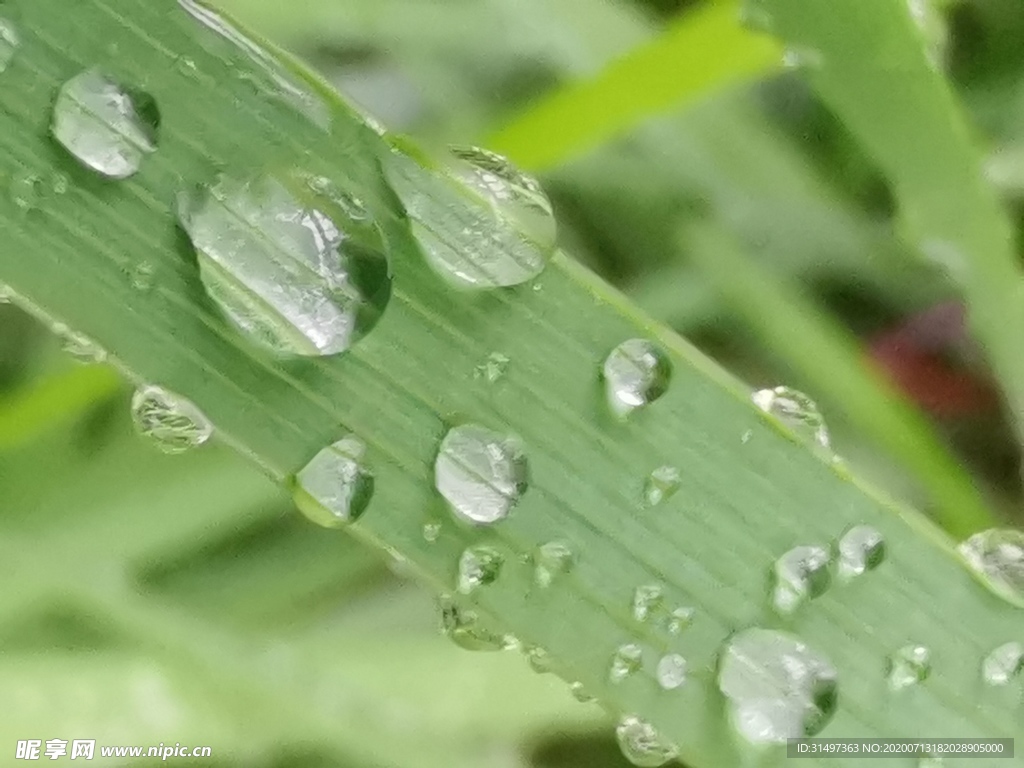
[1003,664]
[637,372]
[103,125]
[431,532]
[289,265]
[26,189]
[641,744]
[910,665]
[679,619]
[997,556]
[554,559]
[626,661]
[335,488]
[269,76]
[493,369]
[142,275]
[647,600]
[78,345]
[174,423]
[802,57]
[9,42]
[6,294]
[579,692]
[465,629]
[538,659]
[481,473]
[796,410]
[660,485]
[861,549]
[671,671]
[800,575]
[478,567]
[778,688]
[480,223]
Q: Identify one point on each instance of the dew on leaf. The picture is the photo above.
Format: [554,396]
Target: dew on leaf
[1003,664]
[479,566]
[801,574]
[431,532]
[796,410]
[553,559]
[679,619]
[997,556]
[908,666]
[482,474]
[647,601]
[579,692]
[642,745]
[464,628]
[104,125]
[671,671]
[78,345]
[778,688]
[660,485]
[10,40]
[538,659]
[861,549]
[493,369]
[288,264]
[174,423]
[625,662]
[636,373]
[335,487]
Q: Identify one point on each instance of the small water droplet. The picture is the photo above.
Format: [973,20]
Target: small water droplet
[493,369]
[671,671]
[335,488]
[10,39]
[641,744]
[103,125]
[481,473]
[679,619]
[660,485]
[538,659]
[745,437]
[1003,664]
[554,559]
[26,190]
[291,267]
[861,549]
[802,57]
[647,601]
[909,666]
[778,688]
[800,575]
[796,410]
[6,294]
[636,373]
[579,692]
[78,345]
[997,556]
[142,276]
[431,532]
[479,566]
[60,183]
[174,423]
[467,631]
[625,662]
[480,222]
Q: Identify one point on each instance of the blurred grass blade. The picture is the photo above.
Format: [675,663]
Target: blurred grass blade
[869,61]
[748,491]
[702,49]
[789,324]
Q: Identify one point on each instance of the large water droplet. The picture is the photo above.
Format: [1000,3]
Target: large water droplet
[800,575]
[861,549]
[479,566]
[660,485]
[647,600]
[909,666]
[642,745]
[174,423]
[553,559]
[626,661]
[997,555]
[637,372]
[671,671]
[335,487]
[778,688]
[78,345]
[291,260]
[10,39]
[466,630]
[481,473]
[796,410]
[1003,664]
[105,126]
[480,222]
